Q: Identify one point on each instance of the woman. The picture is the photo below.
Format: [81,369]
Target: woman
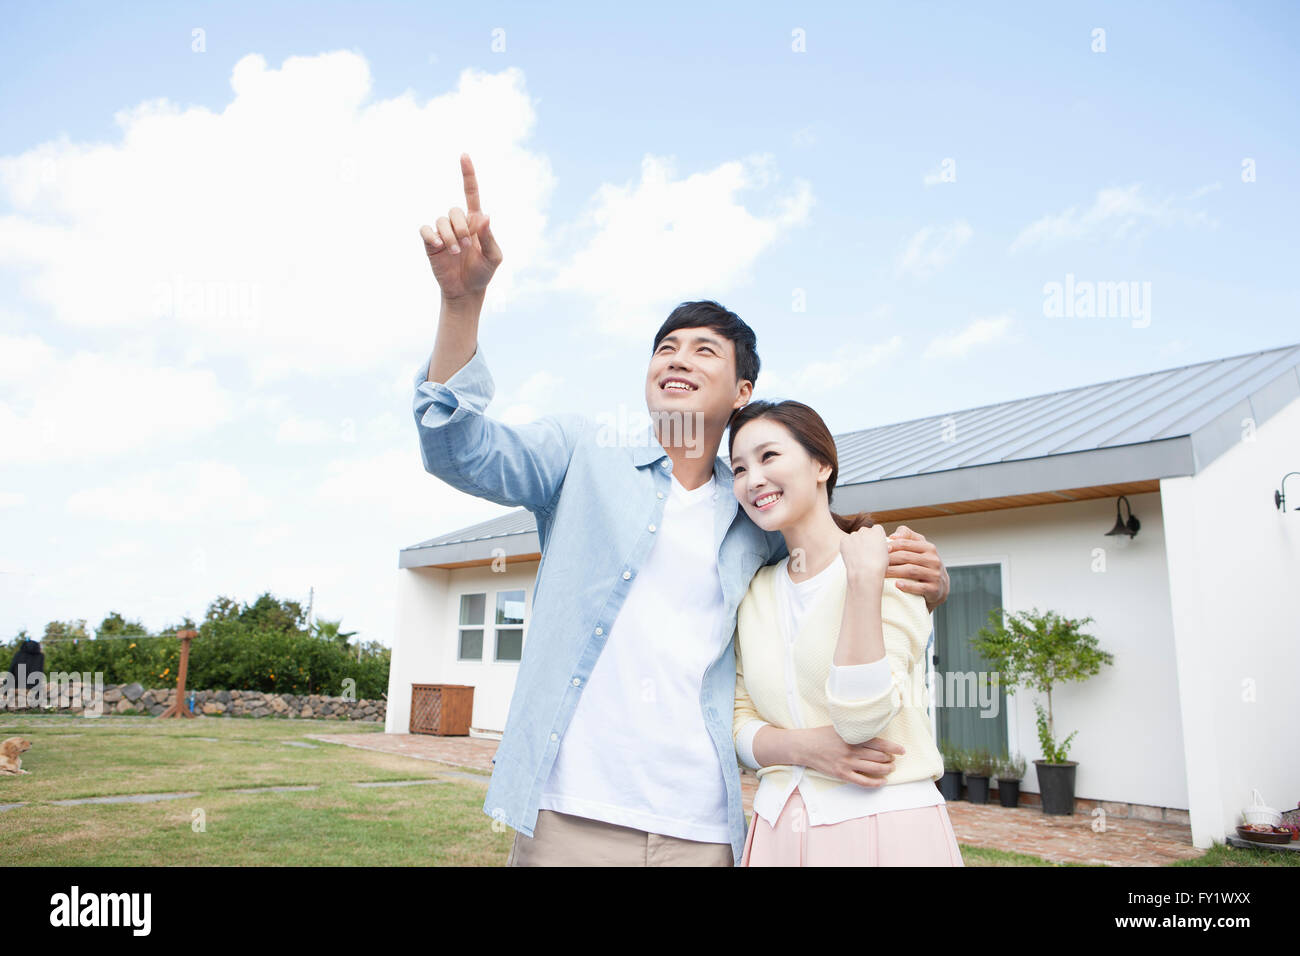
[828,639]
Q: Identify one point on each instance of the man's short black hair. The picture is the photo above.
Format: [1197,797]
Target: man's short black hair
[708,314]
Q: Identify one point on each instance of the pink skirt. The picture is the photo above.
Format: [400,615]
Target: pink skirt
[922,836]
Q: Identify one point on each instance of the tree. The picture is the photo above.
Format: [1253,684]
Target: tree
[1039,651]
[329,631]
[267,613]
[115,624]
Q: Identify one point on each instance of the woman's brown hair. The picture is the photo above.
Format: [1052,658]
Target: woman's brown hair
[808,429]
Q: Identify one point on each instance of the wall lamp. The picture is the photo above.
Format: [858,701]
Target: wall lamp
[1279,496]
[1129,527]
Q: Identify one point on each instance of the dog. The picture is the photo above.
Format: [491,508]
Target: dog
[10,755]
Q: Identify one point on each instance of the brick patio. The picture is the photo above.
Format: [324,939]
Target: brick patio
[1125,841]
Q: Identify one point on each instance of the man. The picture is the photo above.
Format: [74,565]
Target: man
[617,747]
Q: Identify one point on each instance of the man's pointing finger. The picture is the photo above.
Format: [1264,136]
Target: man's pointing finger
[471,183]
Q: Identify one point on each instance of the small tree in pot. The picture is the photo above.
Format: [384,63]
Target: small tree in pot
[1011,770]
[979,767]
[1039,651]
[954,759]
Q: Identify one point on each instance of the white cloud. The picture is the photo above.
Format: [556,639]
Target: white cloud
[978,333]
[822,375]
[1117,213]
[282,230]
[944,172]
[932,248]
[183,492]
[302,431]
[651,244]
[393,487]
[59,408]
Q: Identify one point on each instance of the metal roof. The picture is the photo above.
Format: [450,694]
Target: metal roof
[1156,425]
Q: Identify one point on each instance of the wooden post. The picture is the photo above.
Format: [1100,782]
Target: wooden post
[178,708]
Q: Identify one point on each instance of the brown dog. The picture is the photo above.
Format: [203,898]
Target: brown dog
[10,755]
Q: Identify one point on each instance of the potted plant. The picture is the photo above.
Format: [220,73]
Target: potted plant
[979,767]
[1010,772]
[1040,651]
[953,759]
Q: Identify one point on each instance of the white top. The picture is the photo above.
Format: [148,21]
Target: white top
[637,752]
[849,800]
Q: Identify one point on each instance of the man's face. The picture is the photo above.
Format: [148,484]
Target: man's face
[691,382]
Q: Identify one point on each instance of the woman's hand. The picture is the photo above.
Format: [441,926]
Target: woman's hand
[866,764]
[866,555]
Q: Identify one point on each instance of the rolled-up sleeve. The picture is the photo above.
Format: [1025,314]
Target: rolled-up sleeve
[746,723]
[507,464]
[906,624]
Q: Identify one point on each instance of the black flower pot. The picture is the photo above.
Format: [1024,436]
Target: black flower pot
[1009,792]
[950,784]
[977,788]
[1056,785]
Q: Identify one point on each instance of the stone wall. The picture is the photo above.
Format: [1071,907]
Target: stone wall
[121,698]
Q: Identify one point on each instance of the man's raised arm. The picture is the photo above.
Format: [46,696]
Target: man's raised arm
[464,255]
[511,465]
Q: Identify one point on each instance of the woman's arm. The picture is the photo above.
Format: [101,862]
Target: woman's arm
[905,622]
[761,744]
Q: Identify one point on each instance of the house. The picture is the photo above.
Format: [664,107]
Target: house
[1198,709]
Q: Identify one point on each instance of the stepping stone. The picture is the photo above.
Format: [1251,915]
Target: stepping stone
[273,789]
[126,798]
[398,783]
[299,743]
[10,806]
[476,777]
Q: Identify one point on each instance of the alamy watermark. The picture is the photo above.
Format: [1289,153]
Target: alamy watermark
[632,428]
[59,689]
[1098,300]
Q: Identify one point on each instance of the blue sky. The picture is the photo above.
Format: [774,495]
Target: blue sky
[915,175]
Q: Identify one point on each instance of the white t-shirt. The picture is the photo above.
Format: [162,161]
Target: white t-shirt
[853,682]
[637,752]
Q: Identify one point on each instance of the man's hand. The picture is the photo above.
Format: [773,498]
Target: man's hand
[461,249]
[865,764]
[916,562]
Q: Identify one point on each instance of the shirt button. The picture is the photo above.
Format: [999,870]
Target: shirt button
[577,681]
[652,527]
[659,493]
[667,464]
[626,575]
[555,736]
[600,630]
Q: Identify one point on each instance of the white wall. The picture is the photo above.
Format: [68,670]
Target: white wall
[1233,571]
[424,652]
[1129,742]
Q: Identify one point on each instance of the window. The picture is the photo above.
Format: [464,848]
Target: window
[472,607]
[510,625]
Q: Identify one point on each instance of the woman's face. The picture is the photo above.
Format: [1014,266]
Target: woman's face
[776,481]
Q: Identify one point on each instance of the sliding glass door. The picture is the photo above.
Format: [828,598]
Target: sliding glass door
[966,715]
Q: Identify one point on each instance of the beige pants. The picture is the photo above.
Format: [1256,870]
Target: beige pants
[562,839]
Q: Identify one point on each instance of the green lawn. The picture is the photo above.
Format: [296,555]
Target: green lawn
[338,824]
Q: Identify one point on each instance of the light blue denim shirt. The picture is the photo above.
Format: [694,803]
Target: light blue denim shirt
[596,502]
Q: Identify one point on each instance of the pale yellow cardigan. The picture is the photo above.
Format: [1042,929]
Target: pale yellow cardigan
[898,713]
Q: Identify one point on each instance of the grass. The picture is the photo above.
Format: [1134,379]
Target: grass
[336,825]
[1223,855]
[429,824]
